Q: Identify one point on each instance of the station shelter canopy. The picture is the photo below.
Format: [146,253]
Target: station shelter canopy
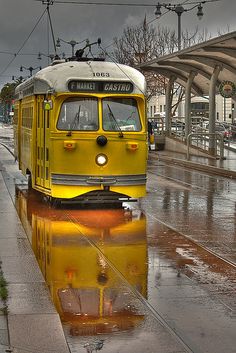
[201,59]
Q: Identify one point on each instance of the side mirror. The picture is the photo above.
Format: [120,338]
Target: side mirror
[47,105]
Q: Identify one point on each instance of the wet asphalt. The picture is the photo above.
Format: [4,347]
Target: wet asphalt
[158,275]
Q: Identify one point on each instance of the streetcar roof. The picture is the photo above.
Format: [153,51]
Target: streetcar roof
[56,78]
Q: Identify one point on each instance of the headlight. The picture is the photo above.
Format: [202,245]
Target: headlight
[101,159]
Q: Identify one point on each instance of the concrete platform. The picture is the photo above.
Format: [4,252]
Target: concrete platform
[32,323]
[225,167]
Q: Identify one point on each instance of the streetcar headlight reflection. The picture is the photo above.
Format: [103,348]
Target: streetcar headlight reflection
[101,159]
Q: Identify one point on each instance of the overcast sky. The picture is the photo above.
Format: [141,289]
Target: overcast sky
[18,19]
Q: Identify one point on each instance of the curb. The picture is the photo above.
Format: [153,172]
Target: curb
[202,167]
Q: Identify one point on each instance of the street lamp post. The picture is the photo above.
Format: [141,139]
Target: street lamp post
[179,9]
[30,69]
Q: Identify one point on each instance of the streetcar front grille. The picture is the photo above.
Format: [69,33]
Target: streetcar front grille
[86,180]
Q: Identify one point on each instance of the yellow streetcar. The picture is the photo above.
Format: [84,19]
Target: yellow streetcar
[81,132]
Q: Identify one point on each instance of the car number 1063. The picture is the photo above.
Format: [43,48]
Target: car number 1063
[101,74]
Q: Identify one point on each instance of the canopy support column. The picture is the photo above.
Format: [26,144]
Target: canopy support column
[188,104]
[212,108]
[168,104]
[233,111]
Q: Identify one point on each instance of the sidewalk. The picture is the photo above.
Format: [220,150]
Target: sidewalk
[29,322]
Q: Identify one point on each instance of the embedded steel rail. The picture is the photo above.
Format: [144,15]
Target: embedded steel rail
[9,150]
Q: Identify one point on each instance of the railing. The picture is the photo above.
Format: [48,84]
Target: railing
[204,138]
[200,135]
[178,130]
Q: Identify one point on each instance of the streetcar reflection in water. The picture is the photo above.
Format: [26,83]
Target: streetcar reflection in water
[89,294]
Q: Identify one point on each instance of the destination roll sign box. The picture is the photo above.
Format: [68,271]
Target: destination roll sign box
[100,86]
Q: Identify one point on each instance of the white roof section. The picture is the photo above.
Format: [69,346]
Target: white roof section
[201,58]
[56,77]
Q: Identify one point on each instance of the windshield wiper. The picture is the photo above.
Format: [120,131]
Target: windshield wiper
[116,123]
[74,122]
[130,116]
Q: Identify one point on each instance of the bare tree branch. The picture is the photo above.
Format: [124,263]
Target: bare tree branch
[142,43]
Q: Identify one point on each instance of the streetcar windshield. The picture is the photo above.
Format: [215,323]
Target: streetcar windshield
[78,114]
[120,114]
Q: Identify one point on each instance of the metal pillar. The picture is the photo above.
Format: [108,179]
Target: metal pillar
[168,104]
[233,110]
[188,103]
[179,29]
[212,108]
[224,103]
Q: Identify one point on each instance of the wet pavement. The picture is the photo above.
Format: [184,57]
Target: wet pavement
[200,206]
[224,167]
[158,275]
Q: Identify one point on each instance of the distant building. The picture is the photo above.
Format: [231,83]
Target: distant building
[199,107]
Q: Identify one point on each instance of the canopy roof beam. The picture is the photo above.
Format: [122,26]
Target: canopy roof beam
[210,61]
[187,67]
[180,79]
[203,58]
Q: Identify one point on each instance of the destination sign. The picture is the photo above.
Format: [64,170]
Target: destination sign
[100,86]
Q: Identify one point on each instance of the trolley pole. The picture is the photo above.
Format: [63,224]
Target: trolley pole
[48,3]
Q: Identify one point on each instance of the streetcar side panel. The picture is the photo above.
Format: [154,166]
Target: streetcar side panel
[16,129]
[25,131]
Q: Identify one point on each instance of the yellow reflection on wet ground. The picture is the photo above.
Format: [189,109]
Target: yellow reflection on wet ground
[89,259]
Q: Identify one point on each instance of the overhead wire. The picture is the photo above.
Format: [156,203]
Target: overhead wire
[22,46]
[10,53]
[103,3]
[164,13]
[90,3]
[120,68]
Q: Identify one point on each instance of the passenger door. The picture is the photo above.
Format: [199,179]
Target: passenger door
[42,144]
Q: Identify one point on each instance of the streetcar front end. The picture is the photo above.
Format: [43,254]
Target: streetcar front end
[99,147]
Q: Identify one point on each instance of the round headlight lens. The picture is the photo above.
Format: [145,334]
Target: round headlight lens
[101,159]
